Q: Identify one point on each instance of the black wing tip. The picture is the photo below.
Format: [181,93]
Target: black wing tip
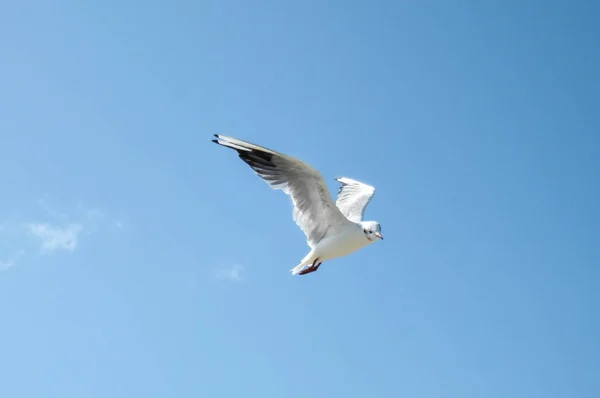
[246,153]
[216,141]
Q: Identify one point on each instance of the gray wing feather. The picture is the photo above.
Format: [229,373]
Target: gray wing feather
[314,209]
[353,198]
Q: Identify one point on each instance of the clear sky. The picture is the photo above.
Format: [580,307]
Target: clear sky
[141,260]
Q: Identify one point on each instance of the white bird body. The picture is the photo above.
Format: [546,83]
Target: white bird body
[332,229]
[347,241]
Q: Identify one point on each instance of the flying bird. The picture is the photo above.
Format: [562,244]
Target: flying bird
[332,229]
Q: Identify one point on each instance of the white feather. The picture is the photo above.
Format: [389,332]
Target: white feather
[353,198]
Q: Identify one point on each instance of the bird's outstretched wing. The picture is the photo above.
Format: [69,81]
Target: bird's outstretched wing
[353,198]
[314,209]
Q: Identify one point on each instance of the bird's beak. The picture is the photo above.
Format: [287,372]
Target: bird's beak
[378,234]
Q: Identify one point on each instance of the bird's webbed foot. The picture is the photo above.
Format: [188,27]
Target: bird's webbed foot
[311,268]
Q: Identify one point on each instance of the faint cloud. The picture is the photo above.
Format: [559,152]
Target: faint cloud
[51,230]
[11,261]
[95,219]
[56,238]
[233,273]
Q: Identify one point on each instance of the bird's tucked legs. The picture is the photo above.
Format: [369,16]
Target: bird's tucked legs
[311,268]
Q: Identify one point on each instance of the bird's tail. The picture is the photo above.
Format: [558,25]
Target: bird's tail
[305,261]
[297,268]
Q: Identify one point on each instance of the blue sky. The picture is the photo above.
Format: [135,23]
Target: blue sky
[140,259]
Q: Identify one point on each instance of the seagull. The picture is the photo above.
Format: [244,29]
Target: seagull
[332,229]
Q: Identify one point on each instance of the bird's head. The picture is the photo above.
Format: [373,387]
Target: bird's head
[372,230]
